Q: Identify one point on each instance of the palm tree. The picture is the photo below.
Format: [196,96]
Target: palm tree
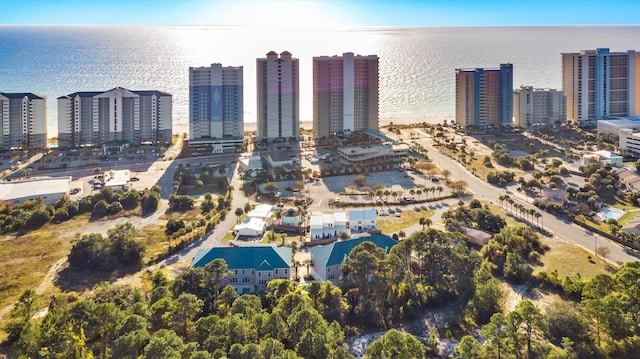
[307,263]
[433,192]
[440,189]
[296,265]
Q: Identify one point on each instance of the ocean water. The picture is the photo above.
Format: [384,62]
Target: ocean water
[417,78]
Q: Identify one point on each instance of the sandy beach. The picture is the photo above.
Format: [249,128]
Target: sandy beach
[308,125]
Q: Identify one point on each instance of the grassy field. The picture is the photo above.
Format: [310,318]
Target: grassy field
[569,259]
[408,218]
[25,260]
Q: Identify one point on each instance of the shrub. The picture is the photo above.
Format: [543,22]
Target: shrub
[100,209]
[150,202]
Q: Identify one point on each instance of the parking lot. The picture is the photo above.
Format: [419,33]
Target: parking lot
[334,188]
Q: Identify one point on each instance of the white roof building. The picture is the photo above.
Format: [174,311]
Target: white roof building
[50,189]
[604,157]
[362,220]
[250,227]
[327,225]
[369,154]
[116,179]
[251,163]
[261,211]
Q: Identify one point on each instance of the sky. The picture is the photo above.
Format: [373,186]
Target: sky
[321,12]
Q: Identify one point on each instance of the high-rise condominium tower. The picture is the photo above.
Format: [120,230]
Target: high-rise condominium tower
[278,96]
[23,121]
[216,107]
[345,94]
[539,107]
[484,97]
[115,116]
[600,84]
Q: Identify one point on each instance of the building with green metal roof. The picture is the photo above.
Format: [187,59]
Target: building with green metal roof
[251,267]
[328,259]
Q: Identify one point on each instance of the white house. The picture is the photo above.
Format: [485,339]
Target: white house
[325,225]
[262,211]
[362,220]
[250,227]
[279,159]
[604,157]
[327,259]
[251,267]
[290,217]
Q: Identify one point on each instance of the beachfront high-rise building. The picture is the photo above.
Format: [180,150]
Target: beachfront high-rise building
[601,84]
[345,94]
[539,107]
[278,96]
[23,123]
[484,97]
[115,116]
[216,107]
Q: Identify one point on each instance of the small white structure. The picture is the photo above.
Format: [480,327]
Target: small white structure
[604,157]
[117,180]
[327,225]
[290,217]
[279,159]
[262,211]
[362,220]
[250,227]
[250,163]
[50,189]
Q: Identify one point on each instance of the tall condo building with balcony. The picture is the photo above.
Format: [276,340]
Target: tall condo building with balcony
[484,97]
[345,94]
[278,96]
[601,84]
[116,116]
[216,107]
[23,123]
[539,108]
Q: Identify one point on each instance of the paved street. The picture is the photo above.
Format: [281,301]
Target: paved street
[560,227]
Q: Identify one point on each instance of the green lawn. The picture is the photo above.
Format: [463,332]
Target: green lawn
[569,259]
[408,218]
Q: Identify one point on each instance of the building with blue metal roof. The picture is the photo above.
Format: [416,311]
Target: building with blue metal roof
[251,266]
[328,259]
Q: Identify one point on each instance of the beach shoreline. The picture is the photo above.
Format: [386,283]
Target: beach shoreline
[180,128]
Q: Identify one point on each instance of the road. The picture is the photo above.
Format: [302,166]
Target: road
[559,227]
[215,237]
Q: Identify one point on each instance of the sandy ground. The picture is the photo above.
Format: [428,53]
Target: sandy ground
[308,125]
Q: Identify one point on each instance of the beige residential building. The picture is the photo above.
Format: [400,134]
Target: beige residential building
[345,94]
[278,96]
[484,97]
[23,121]
[601,84]
[536,108]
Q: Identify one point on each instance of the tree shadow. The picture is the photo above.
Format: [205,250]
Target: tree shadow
[80,279]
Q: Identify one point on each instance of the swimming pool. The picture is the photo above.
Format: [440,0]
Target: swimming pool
[610,213]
